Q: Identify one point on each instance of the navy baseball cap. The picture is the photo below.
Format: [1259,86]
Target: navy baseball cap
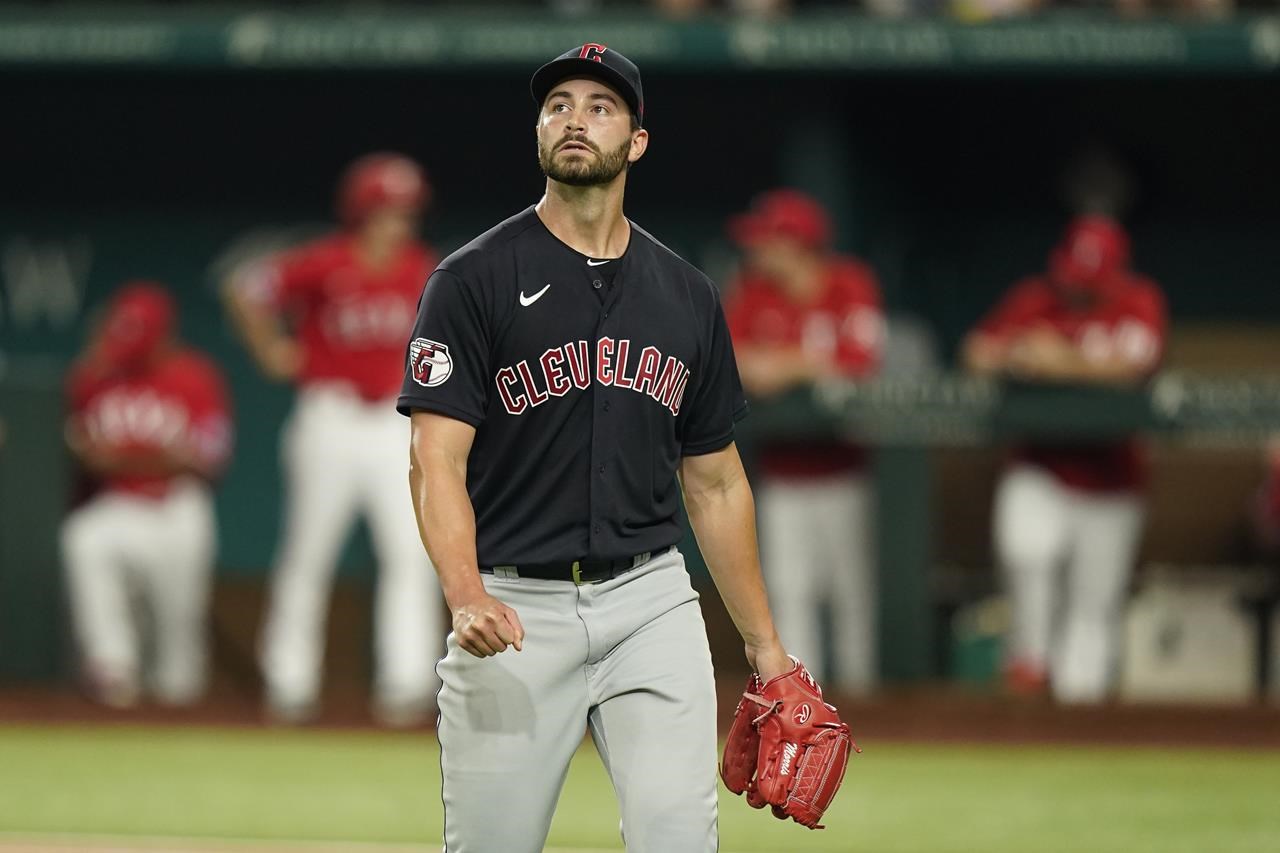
[598,62]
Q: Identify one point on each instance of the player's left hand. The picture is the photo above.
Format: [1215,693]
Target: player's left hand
[787,748]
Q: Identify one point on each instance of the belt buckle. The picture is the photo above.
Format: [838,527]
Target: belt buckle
[577,572]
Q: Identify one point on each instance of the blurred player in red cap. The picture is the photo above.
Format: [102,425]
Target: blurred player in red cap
[334,317]
[1068,507]
[149,422]
[798,314]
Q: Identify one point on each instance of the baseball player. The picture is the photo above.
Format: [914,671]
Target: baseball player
[149,422]
[799,314]
[567,375]
[1265,510]
[1068,516]
[332,317]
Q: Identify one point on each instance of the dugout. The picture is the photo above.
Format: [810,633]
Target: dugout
[167,143]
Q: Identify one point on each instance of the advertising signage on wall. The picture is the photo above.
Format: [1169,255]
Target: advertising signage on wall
[199,39]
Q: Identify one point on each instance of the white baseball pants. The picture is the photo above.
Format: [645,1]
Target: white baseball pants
[343,456]
[818,549]
[120,548]
[1067,556]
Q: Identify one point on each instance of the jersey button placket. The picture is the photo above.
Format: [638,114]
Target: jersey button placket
[603,438]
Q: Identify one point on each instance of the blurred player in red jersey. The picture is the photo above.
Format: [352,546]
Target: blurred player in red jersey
[149,422]
[333,317]
[799,314]
[1071,507]
[1265,514]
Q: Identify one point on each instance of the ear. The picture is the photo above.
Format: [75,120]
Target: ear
[639,144]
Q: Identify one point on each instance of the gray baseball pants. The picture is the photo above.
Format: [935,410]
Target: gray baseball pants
[628,659]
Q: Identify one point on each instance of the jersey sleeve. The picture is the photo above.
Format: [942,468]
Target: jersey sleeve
[282,280]
[447,361]
[1142,326]
[718,401]
[740,308]
[1020,308]
[862,330]
[211,432]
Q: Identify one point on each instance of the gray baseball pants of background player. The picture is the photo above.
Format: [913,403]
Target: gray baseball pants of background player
[628,658]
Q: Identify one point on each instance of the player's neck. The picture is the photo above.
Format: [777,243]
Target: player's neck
[151,362]
[375,253]
[804,281]
[587,219]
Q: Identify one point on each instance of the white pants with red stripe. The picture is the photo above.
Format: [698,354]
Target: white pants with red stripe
[817,548]
[343,456]
[1067,556]
[121,550]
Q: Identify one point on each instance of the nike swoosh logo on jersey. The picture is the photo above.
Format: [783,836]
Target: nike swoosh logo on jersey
[526,301]
[592,263]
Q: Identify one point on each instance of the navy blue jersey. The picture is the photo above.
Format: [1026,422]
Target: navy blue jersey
[587,381]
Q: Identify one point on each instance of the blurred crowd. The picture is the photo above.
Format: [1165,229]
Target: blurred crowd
[968,10]
[965,10]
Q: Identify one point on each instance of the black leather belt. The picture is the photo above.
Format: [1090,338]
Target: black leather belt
[578,571]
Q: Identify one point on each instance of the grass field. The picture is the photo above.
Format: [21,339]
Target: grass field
[125,788]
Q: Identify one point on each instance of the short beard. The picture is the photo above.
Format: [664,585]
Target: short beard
[603,170]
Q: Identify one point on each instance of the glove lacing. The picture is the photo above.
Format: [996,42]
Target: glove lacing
[769,707]
[776,705]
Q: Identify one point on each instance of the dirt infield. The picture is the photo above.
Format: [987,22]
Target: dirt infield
[925,714]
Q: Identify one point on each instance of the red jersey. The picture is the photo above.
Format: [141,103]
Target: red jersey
[352,322]
[1129,319]
[843,327]
[180,403]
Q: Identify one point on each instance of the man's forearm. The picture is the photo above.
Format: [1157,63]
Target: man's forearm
[149,462]
[769,370]
[983,355]
[724,522]
[1076,368]
[447,524]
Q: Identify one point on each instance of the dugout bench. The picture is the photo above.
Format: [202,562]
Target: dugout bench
[907,420]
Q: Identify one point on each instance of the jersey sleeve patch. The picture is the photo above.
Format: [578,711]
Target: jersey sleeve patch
[429,362]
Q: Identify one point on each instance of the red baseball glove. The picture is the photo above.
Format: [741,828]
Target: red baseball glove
[787,748]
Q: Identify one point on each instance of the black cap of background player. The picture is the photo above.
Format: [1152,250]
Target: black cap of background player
[597,62]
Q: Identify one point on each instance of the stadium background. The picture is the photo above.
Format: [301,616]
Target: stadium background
[163,141]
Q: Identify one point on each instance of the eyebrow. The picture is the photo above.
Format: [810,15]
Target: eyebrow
[602,96]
